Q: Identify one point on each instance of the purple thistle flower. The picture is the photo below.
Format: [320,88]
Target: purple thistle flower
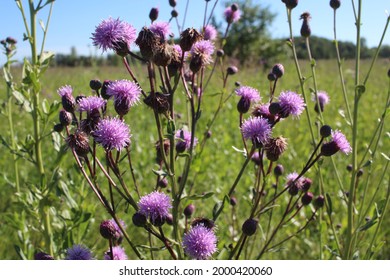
[161,29]
[323,99]
[200,242]
[204,49]
[338,143]
[78,252]
[291,103]
[118,232]
[209,32]
[248,93]
[118,254]
[65,91]
[184,140]
[232,15]
[114,34]
[125,94]
[155,206]
[256,129]
[112,133]
[91,103]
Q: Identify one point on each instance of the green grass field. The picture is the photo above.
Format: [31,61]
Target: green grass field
[76,214]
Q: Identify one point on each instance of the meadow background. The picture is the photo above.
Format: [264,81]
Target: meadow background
[76,215]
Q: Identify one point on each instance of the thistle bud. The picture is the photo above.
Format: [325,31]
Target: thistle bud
[243,105]
[42,256]
[305,29]
[231,70]
[169,219]
[189,210]
[162,182]
[274,108]
[306,184]
[65,118]
[325,131]
[174,13]
[103,91]
[319,202]
[271,77]
[68,103]
[349,167]
[233,201]
[278,70]
[335,4]
[278,170]
[107,229]
[153,14]
[95,84]
[139,220]
[290,4]
[58,127]
[249,227]
[172,3]
[221,53]
[11,41]
[359,173]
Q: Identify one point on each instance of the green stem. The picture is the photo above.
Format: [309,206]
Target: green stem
[350,228]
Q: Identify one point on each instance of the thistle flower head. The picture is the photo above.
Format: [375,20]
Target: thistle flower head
[91,103]
[161,29]
[184,140]
[155,206]
[114,34]
[203,49]
[78,252]
[291,103]
[188,38]
[323,99]
[200,242]
[210,32]
[112,133]
[256,129]
[232,14]
[293,184]
[248,93]
[125,93]
[118,253]
[65,91]
[338,143]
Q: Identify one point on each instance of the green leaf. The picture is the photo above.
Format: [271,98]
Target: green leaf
[160,173]
[45,106]
[56,140]
[42,25]
[20,252]
[44,60]
[199,196]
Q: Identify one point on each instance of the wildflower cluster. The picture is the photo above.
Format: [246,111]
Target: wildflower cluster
[98,126]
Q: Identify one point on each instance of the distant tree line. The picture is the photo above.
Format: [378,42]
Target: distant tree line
[249,41]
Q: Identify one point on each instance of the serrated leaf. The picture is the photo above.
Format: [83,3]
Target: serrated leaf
[199,196]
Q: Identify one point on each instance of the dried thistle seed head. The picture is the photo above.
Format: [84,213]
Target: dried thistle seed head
[275,147]
[249,227]
[158,101]
[188,38]
[163,54]
[147,42]
[79,142]
[335,4]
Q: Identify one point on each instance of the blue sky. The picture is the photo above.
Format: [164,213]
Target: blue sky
[73,21]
